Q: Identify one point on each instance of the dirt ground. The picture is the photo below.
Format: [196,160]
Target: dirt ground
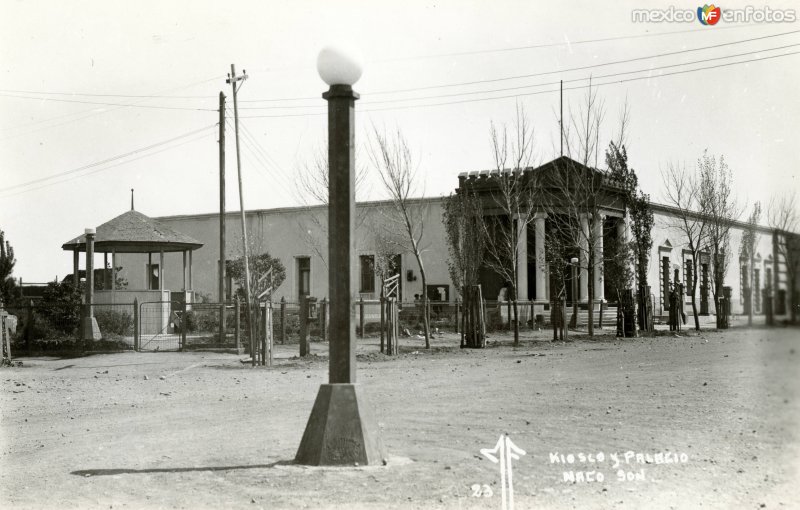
[203,430]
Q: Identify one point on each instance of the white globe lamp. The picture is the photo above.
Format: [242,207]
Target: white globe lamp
[339,64]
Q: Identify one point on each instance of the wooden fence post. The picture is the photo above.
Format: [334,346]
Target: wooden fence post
[237,332]
[136,319]
[29,326]
[304,326]
[283,320]
[268,328]
[390,339]
[183,323]
[383,321]
[361,316]
[323,318]
[263,336]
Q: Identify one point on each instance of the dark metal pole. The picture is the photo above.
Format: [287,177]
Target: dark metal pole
[221,269]
[341,226]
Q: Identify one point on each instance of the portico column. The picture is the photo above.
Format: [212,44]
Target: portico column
[599,291]
[114,275]
[541,267]
[161,274]
[75,275]
[584,259]
[522,260]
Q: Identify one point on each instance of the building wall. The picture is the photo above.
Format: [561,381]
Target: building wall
[292,233]
[301,232]
[669,240]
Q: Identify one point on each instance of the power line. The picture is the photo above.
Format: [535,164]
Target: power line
[593,66]
[551,45]
[104,161]
[87,94]
[611,75]
[614,82]
[131,105]
[92,112]
[266,160]
[528,93]
[533,75]
[514,48]
[193,139]
[523,87]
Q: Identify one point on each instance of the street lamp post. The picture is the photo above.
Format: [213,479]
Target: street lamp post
[341,430]
[573,322]
[90,329]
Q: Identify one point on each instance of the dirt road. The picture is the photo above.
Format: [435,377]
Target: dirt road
[202,430]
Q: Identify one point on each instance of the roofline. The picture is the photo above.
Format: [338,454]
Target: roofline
[663,208]
[279,210]
[669,209]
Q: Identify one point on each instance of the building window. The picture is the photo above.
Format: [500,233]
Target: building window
[303,276]
[152,275]
[367,272]
[688,275]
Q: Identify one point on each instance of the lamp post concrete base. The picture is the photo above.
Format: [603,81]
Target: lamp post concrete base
[341,430]
[89,328]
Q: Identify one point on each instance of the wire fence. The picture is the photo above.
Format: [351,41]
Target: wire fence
[174,325]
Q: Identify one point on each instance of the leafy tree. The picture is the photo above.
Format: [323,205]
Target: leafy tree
[61,306]
[8,287]
[260,265]
[466,244]
[640,220]
[618,266]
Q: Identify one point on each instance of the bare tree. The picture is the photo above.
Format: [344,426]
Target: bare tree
[682,192]
[750,237]
[574,191]
[312,190]
[784,218]
[392,159]
[514,200]
[720,209]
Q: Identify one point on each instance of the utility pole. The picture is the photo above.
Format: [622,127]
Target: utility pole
[232,79]
[221,269]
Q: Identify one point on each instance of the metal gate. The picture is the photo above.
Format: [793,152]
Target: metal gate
[160,326]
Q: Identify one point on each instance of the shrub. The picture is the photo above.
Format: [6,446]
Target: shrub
[204,321]
[113,322]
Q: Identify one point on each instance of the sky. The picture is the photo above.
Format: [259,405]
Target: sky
[99,97]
